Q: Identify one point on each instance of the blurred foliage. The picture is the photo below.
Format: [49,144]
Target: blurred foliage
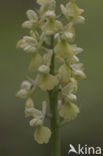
[15,134]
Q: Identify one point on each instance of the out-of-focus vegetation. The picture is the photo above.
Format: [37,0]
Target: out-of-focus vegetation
[15,134]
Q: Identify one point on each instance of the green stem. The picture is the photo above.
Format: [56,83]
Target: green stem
[55,138]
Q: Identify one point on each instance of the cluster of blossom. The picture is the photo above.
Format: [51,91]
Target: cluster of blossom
[44,25]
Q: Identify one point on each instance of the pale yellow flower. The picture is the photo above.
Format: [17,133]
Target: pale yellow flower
[42,134]
[69,111]
[64,50]
[47,81]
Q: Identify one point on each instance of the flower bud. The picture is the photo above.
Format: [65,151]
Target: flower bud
[78,71]
[32,112]
[77,50]
[44,69]
[32,16]
[79,20]
[50,14]
[27,24]
[26,85]
[22,94]
[29,44]
[71,97]
[36,122]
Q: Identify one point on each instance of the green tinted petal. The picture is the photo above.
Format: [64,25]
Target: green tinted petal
[49,5]
[44,108]
[73,81]
[51,26]
[43,2]
[69,33]
[69,88]
[65,73]
[47,58]
[77,50]
[69,111]
[35,63]
[79,20]
[63,50]
[63,9]
[73,9]
[47,82]
[42,135]
[29,103]
[75,59]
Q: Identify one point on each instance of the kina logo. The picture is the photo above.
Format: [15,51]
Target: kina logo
[85,150]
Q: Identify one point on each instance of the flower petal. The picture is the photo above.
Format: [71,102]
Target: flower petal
[26,85]
[42,135]
[23,94]
[36,61]
[65,72]
[51,26]
[47,81]
[43,2]
[29,103]
[36,122]
[32,16]
[64,50]
[69,111]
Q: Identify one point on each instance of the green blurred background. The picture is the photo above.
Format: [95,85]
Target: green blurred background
[16,137]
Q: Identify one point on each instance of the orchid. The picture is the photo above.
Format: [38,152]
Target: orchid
[57,68]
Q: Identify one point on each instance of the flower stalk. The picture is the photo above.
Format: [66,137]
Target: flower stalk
[54,122]
[55,128]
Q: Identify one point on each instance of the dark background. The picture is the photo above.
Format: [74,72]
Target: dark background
[16,137]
